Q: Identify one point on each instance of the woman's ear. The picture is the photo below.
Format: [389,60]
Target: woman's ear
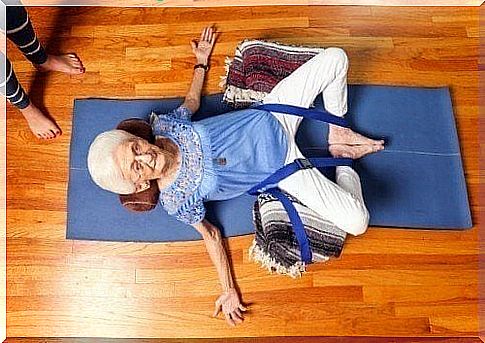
[142,186]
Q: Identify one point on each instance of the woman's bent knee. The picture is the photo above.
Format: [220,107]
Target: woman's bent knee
[358,221]
[336,54]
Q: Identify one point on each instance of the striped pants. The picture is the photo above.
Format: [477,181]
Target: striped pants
[20,31]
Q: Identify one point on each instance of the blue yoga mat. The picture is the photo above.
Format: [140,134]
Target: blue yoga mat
[417,182]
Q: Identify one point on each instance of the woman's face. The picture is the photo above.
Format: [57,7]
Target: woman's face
[139,160]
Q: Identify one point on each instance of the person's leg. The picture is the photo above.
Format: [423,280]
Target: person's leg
[14,92]
[20,31]
[40,125]
[340,203]
[349,180]
[325,73]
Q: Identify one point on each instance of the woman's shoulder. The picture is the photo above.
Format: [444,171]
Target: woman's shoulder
[180,113]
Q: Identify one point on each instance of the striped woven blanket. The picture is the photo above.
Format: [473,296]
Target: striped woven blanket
[275,245]
[258,66]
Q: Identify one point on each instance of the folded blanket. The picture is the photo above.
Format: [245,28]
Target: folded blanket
[275,245]
[258,66]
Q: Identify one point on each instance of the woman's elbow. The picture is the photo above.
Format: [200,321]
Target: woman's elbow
[192,104]
[209,232]
[212,234]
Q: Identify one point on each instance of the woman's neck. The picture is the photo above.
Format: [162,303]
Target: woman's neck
[172,155]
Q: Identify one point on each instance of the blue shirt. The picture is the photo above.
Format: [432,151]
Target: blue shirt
[222,157]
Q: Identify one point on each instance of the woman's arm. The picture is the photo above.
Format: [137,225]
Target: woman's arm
[202,51]
[229,301]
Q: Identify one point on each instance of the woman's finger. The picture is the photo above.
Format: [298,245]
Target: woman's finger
[202,35]
[229,320]
[213,38]
[206,31]
[209,34]
[237,316]
[217,309]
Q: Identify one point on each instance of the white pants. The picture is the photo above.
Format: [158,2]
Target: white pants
[340,203]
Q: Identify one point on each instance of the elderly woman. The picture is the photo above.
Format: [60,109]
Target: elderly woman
[224,156]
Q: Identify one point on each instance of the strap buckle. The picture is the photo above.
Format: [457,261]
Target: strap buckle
[303,163]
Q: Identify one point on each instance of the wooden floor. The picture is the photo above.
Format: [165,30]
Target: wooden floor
[388,282]
[219,3]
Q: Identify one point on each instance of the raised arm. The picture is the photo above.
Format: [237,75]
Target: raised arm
[229,301]
[202,51]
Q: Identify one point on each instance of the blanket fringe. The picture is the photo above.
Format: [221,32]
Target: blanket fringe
[266,261]
[227,65]
[239,97]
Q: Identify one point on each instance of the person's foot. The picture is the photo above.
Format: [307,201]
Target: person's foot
[68,63]
[42,126]
[353,151]
[343,135]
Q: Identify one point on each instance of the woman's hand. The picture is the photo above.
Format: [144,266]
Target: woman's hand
[203,48]
[231,306]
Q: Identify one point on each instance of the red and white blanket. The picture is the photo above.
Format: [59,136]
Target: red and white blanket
[258,66]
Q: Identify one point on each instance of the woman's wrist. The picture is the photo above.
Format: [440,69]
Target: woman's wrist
[228,290]
[201,66]
[202,60]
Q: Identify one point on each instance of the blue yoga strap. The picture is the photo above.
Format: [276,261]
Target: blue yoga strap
[305,112]
[297,224]
[300,163]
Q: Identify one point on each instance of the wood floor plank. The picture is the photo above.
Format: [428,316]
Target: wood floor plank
[453,277]
[473,31]
[456,325]
[441,309]
[413,242]
[321,339]
[356,261]
[224,3]
[413,293]
[19,274]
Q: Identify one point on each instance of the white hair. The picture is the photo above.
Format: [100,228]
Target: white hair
[103,166]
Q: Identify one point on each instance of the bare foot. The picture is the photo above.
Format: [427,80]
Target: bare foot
[343,135]
[353,151]
[68,63]
[42,127]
